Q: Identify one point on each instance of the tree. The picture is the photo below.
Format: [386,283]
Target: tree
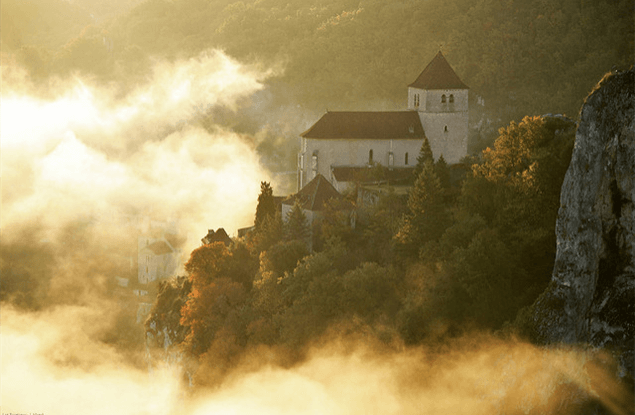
[370,291]
[428,217]
[427,209]
[266,206]
[443,172]
[425,156]
[271,232]
[284,256]
[486,269]
[296,226]
[207,263]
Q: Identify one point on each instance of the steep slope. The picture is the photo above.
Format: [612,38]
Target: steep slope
[591,298]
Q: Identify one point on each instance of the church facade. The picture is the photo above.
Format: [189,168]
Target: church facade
[341,141]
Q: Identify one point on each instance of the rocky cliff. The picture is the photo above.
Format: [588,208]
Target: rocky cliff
[591,298]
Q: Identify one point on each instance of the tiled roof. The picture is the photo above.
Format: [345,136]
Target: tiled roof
[438,75]
[367,125]
[372,175]
[313,196]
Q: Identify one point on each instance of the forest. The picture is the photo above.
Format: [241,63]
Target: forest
[520,57]
[459,252]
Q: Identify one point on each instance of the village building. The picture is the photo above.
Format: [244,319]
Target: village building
[341,145]
[158,258]
[216,236]
[314,199]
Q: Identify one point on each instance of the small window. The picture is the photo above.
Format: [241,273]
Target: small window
[406,159]
[451,98]
[443,99]
[370,156]
[416,100]
[445,130]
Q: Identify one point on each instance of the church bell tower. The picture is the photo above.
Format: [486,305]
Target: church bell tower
[441,100]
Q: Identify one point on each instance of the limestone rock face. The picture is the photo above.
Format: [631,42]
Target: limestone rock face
[591,298]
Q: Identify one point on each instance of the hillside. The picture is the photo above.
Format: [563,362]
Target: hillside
[522,57]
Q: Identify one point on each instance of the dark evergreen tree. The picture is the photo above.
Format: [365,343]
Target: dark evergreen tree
[428,217]
[443,172]
[266,205]
[425,156]
[296,226]
[427,210]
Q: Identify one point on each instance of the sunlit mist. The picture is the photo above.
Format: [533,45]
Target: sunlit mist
[56,354]
[89,155]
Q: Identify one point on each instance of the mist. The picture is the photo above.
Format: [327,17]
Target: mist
[52,363]
[90,155]
[86,165]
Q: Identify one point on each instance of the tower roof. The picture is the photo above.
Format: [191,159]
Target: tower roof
[367,125]
[438,75]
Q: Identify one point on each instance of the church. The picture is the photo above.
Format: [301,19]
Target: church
[343,143]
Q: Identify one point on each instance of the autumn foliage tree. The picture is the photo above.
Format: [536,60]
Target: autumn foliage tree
[215,298]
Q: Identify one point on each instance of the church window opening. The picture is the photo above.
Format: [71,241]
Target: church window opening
[445,129]
[370,156]
[443,99]
[406,159]
[416,100]
[451,98]
[314,163]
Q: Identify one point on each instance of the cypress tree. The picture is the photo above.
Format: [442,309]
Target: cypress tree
[425,155]
[266,206]
[297,227]
[428,216]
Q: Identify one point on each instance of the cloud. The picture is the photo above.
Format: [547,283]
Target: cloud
[89,154]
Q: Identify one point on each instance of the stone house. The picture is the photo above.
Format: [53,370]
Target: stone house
[158,258]
[313,199]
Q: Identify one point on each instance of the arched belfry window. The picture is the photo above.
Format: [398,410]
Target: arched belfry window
[443,99]
[445,129]
[370,156]
[406,159]
[451,98]
[314,163]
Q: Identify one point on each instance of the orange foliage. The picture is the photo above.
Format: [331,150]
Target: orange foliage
[208,263]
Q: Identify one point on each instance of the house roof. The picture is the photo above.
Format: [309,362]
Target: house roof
[367,125]
[371,175]
[219,236]
[314,195]
[438,75]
